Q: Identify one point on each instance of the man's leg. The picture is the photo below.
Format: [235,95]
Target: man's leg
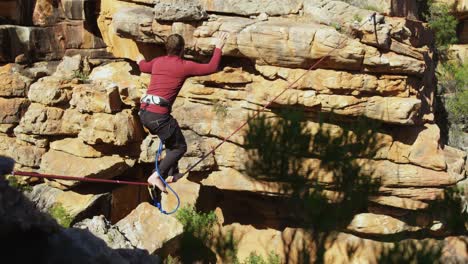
[156,124]
[175,150]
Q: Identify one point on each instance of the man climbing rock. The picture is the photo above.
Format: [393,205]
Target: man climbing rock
[168,74]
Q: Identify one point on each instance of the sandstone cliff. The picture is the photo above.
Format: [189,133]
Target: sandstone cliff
[69,94]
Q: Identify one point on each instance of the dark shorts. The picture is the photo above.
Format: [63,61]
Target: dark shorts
[165,127]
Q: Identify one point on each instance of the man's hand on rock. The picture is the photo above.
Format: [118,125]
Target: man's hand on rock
[221,40]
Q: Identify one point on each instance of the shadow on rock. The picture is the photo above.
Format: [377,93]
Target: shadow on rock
[319,167]
[31,236]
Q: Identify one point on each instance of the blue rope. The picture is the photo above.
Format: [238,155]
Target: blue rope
[155,202]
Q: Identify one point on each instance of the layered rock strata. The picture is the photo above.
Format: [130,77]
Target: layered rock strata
[79,118]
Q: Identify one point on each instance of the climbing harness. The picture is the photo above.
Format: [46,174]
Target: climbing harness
[151,189]
[153,99]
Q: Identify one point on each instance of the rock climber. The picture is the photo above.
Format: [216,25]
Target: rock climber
[168,74]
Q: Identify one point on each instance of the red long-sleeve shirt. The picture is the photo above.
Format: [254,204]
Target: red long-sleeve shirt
[168,74]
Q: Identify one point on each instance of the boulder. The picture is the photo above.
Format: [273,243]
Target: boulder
[26,154]
[41,120]
[177,12]
[391,62]
[135,22]
[279,42]
[414,193]
[77,35]
[331,81]
[289,244]
[456,161]
[228,76]
[116,45]
[76,147]
[398,202]
[11,110]
[206,120]
[388,109]
[7,128]
[131,87]
[73,120]
[51,91]
[96,98]
[61,163]
[349,248]
[99,227]
[149,147]
[68,67]
[37,140]
[13,84]
[267,43]
[24,220]
[39,69]
[146,228]
[230,179]
[426,151]
[79,9]
[119,129]
[188,192]
[340,12]
[5,143]
[374,224]
[248,8]
[389,174]
[45,13]
[406,175]
[197,147]
[75,205]
[45,43]
[459,52]
[15,41]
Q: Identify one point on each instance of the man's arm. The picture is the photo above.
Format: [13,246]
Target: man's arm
[193,68]
[145,66]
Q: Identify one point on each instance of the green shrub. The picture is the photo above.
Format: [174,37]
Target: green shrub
[457,107]
[453,94]
[337,26]
[13,182]
[196,223]
[61,215]
[412,251]
[257,259]
[171,260]
[453,89]
[357,18]
[453,77]
[443,24]
[80,75]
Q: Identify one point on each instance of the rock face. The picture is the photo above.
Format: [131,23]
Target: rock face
[76,205]
[79,117]
[26,226]
[148,229]
[63,163]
